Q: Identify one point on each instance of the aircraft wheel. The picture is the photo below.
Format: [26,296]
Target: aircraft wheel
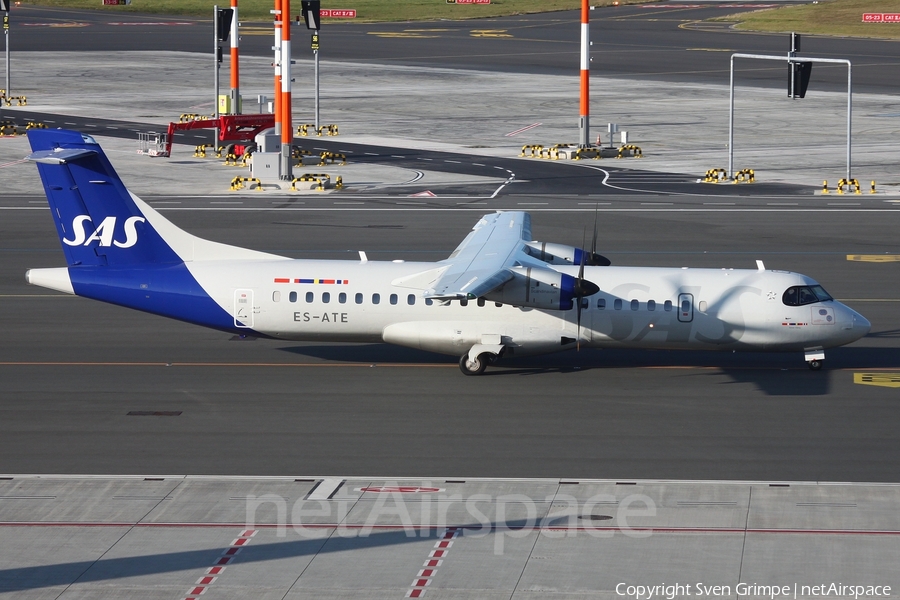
[474,367]
[815,365]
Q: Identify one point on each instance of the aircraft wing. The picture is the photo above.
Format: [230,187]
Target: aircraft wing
[480,263]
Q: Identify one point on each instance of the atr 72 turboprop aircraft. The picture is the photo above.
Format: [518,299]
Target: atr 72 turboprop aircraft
[498,294]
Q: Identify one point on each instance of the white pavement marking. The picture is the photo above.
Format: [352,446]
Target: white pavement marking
[325,489]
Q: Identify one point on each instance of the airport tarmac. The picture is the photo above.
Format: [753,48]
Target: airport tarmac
[680,127]
[94,389]
[308,537]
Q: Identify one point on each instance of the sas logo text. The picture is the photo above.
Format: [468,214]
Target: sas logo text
[104,233]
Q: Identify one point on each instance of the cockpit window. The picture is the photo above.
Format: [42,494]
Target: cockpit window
[820,293]
[802,295]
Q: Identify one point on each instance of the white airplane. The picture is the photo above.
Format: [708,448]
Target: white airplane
[498,294]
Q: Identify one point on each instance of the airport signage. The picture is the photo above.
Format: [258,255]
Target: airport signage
[881,18]
[337,13]
[468,1]
[116,2]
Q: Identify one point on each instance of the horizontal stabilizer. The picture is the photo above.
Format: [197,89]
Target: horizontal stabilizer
[60,155]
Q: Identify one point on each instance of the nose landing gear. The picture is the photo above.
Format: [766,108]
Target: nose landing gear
[814,358]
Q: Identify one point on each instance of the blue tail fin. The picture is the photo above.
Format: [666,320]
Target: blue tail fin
[97,219]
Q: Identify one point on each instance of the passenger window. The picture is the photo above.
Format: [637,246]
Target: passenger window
[498,304]
[342,298]
[702,306]
[464,302]
[601,303]
[428,301]
[376,298]
[481,302]
[667,306]
[276,296]
[393,298]
[411,299]
[359,298]
[326,297]
[635,305]
[618,304]
[292,296]
[309,297]
[651,304]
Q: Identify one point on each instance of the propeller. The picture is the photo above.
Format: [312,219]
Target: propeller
[583,288]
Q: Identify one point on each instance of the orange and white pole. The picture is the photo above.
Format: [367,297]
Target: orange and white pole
[585,121]
[287,133]
[277,49]
[235,78]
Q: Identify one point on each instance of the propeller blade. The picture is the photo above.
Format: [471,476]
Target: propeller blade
[580,288]
[578,328]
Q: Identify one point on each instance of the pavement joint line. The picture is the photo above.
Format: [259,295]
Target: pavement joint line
[367,478]
[421,365]
[464,527]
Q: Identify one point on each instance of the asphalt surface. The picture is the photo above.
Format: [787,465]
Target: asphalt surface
[663,42]
[73,369]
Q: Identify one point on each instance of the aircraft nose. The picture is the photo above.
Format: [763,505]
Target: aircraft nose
[855,325]
[861,325]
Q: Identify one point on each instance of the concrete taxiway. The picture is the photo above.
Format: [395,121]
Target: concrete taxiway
[681,128]
[308,537]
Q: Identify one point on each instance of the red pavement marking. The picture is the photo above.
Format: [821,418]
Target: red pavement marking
[417,587]
[229,554]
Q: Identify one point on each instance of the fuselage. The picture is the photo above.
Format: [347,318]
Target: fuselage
[638,307]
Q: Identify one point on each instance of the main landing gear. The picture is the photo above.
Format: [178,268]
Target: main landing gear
[474,366]
[814,359]
[479,356]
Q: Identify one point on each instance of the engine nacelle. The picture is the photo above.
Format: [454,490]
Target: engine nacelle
[560,254]
[537,288]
